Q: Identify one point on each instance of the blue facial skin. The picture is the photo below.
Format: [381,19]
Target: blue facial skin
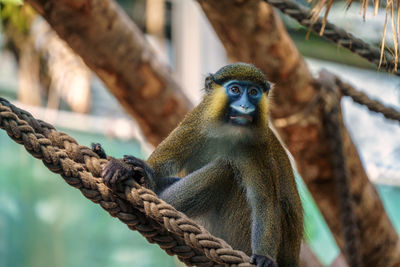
[243,98]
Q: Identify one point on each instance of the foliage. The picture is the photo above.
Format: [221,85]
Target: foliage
[17,15]
[14,2]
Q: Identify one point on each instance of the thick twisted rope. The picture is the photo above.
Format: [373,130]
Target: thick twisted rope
[139,207]
[363,99]
[333,127]
[335,34]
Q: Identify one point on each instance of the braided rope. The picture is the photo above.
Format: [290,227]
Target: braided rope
[335,34]
[333,127]
[138,207]
[363,99]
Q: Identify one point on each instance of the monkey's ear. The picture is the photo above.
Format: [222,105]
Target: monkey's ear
[268,86]
[208,83]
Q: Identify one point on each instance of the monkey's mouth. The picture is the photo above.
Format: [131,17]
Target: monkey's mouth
[241,119]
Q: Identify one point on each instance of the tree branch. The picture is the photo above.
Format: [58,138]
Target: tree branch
[116,50]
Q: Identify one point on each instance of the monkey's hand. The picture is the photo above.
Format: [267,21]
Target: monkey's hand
[118,171]
[262,261]
[143,172]
[96,148]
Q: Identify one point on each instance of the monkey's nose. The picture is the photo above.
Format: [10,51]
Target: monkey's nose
[245,107]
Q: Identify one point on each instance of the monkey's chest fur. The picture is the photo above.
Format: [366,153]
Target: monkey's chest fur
[228,217]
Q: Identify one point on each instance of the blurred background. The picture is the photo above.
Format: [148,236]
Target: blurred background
[44,222]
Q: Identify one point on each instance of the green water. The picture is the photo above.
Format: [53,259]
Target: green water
[44,222]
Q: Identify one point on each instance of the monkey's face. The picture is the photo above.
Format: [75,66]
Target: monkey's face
[236,100]
[243,101]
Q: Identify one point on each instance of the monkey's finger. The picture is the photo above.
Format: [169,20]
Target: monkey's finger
[117,181]
[109,164]
[253,259]
[133,161]
[267,262]
[139,172]
[98,149]
[112,182]
[106,175]
[130,158]
[95,146]
[262,261]
[112,166]
[111,171]
[107,172]
[107,179]
[123,177]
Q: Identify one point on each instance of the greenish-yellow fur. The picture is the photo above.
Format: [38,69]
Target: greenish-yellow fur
[216,104]
[240,71]
[239,182]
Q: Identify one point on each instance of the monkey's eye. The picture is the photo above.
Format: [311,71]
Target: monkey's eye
[254,91]
[235,89]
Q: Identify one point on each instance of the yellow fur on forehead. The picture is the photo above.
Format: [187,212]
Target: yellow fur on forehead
[242,72]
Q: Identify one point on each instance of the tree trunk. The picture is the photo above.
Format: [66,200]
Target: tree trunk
[28,65]
[116,50]
[252,32]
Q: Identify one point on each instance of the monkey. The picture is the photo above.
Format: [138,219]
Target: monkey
[237,180]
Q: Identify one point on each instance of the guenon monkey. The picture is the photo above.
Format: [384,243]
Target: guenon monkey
[237,178]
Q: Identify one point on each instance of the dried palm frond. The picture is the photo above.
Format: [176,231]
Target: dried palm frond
[394,32]
[392,16]
[383,41]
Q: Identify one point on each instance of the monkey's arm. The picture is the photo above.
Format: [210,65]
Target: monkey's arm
[277,226]
[165,162]
[192,193]
[117,171]
[265,229]
[290,204]
[261,191]
[292,214]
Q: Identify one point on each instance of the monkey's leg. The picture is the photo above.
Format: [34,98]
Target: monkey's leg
[289,249]
[197,192]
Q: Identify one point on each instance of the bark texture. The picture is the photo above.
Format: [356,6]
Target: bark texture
[116,50]
[252,32]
